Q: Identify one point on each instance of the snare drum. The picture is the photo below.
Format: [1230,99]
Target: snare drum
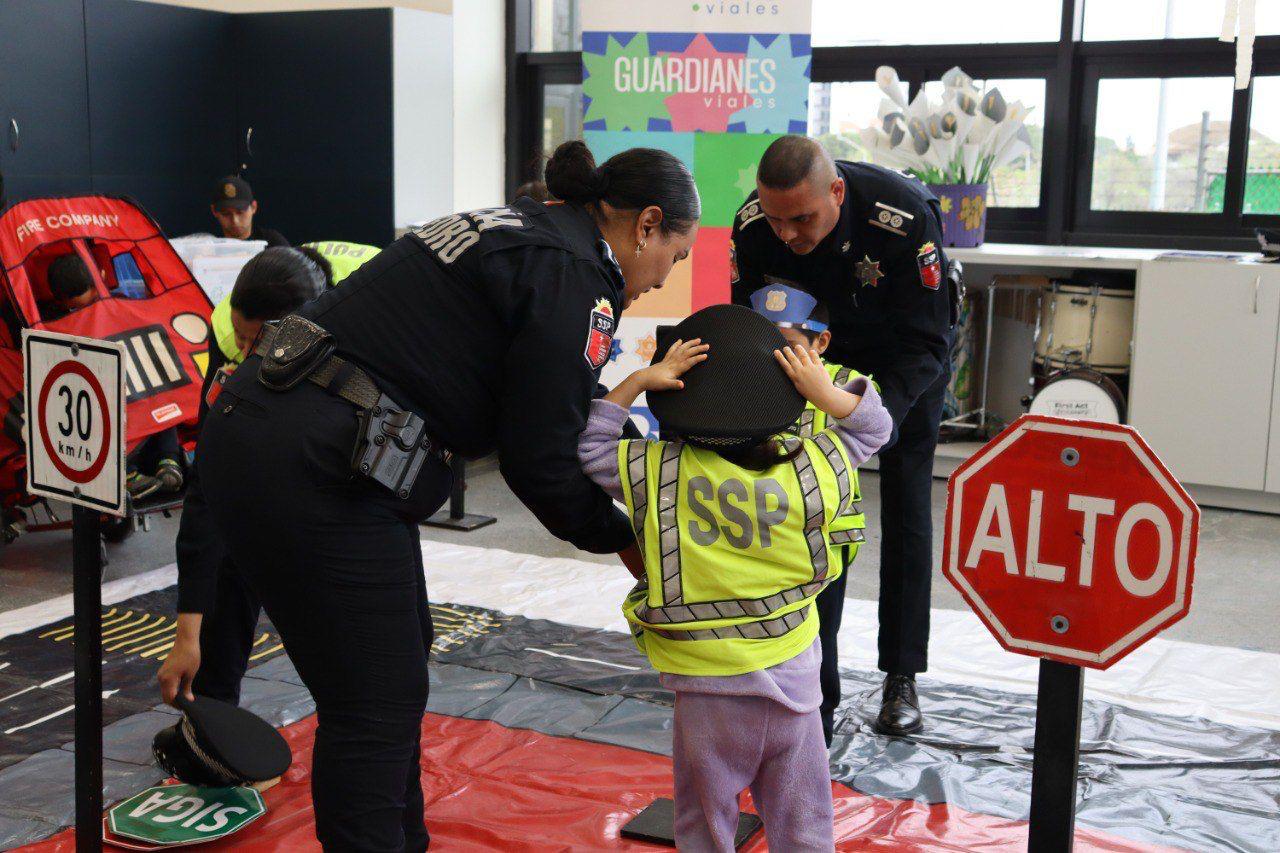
[1083,326]
[1082,394]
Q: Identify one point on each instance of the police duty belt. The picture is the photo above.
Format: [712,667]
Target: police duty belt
[334,373]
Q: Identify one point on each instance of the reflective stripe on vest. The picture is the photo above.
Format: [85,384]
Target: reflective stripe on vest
[761,630]
[674,610]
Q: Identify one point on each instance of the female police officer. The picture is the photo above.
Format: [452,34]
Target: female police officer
[479,331]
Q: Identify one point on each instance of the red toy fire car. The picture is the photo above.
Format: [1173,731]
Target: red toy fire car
[147,299]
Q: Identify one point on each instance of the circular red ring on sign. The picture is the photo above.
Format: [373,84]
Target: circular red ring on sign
[92,381]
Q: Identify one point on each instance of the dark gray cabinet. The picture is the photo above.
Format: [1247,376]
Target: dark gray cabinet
[161,107]
[44,100]
[152,101]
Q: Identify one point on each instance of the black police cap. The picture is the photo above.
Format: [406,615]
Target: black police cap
[232,191]
[740,394]
[216,744]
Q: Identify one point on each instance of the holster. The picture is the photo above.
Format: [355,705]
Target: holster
[297,349]
[955,286]
[391,445]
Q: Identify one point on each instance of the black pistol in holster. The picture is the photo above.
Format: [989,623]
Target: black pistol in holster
[955,285]
[391,441]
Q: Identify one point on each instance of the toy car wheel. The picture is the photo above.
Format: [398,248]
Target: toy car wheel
[116,530]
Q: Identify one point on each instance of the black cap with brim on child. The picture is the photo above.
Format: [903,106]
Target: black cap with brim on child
[737,397]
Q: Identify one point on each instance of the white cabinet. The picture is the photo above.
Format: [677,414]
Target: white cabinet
[1203,387]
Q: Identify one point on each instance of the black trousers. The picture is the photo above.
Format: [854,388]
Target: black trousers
[337,564]
[906,536]
[227,635]
[830,604]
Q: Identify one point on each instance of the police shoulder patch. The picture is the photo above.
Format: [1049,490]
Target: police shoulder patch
[600,331]
[930,263]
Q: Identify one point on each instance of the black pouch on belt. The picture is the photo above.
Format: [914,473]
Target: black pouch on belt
[297,348]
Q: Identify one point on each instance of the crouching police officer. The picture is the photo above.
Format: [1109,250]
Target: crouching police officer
[866,241]
[479,331]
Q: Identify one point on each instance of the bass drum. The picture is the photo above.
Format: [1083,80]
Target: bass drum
[1085,326]
[1082,394]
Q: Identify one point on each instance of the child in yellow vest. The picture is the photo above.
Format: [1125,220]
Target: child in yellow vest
[733,523]
[804,322]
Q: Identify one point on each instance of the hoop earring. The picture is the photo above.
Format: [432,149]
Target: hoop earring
[640,247]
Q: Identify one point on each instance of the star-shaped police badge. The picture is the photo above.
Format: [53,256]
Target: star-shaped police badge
[868,271]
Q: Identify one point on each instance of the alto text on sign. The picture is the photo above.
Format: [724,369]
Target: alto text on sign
[1070,540]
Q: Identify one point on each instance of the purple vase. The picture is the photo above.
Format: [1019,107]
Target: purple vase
[964,213]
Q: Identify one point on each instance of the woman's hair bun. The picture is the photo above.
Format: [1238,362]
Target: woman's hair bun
[572,176]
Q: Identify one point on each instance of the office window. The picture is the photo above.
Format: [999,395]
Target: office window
[841,23]
[838,111]
[1115,20]
[561,114]
[1161,144]
[1015,184]
[1262,178]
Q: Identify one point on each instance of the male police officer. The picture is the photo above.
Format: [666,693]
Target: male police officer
[865,240]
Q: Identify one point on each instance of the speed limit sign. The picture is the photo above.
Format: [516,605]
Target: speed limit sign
[75,419]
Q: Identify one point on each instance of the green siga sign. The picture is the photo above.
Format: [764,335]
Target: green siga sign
[185,814]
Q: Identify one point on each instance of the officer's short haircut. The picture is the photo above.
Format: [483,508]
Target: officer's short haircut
[69,277]
[276,282]
[793,159]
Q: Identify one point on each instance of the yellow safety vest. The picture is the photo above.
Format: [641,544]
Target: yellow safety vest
[733,557]
[847,529]
[224,333]
[345,258]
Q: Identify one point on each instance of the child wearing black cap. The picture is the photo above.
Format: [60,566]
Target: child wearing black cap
[733,530]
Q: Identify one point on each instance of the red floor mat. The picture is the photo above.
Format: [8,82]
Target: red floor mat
[488,787]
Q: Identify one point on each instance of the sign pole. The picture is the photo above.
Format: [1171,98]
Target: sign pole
[86,541]
[1059,704]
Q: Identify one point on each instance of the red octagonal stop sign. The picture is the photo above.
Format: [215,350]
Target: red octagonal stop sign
[1070,540]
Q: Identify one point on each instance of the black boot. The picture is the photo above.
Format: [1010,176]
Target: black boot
[899,706]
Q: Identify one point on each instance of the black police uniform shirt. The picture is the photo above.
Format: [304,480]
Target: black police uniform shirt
[881,273]
[273,237]
[493,326]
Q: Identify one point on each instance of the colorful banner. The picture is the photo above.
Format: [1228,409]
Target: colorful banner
[715,86]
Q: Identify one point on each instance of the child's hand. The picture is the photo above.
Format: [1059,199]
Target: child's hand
[665,375]
[805,370]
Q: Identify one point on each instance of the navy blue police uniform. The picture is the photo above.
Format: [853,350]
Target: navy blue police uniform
[883,275]
[488,328]
[210,584]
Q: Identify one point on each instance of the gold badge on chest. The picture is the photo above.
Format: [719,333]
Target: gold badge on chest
[868,271]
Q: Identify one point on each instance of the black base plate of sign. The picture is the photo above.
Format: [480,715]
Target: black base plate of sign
[656,825]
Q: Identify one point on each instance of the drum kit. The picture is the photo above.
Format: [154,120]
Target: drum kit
[1084,347]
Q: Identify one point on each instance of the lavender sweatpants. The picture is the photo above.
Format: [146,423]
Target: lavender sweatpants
[724,744]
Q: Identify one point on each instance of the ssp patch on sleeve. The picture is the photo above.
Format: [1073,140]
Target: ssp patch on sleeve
[930,263]
[600,334]
[733,263]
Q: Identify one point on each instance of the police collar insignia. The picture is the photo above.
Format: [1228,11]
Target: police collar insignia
[868,271]
[787,306]
[600,334]
[930,264]
[891,218]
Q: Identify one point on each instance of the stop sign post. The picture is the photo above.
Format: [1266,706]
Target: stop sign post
[1072,543]
[74,432]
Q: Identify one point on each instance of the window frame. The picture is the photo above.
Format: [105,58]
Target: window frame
[1071,68]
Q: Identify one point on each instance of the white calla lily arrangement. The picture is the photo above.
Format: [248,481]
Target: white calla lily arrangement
[959,140]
